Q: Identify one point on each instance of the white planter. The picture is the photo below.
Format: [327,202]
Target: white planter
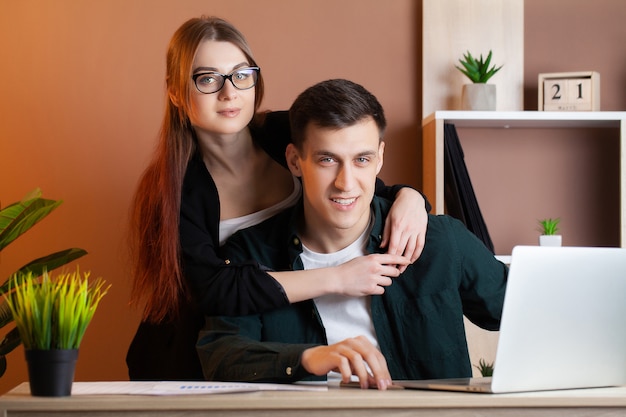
[550,240]
[478,97]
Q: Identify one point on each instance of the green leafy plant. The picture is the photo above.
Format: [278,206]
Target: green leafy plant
[54,312]
[549,226]
[15,220]
[477,70]
[486,369]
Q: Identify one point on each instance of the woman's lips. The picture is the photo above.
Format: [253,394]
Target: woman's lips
[229,112]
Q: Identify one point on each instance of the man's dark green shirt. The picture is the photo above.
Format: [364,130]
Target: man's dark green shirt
[418,320]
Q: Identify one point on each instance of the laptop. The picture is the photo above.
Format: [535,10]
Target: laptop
[563,323]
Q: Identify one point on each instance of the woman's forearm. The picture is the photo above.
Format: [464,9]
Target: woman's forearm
[307,284]
[365,275]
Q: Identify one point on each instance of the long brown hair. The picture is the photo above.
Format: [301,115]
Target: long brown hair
[158,282]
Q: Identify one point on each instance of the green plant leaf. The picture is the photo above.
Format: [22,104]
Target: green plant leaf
[477,70]
[47,263]
[6,316]
[486,369]
[19,217]
[549,226]
[487,61]
[54,312]
[15,220]
[10,342]
[470,67]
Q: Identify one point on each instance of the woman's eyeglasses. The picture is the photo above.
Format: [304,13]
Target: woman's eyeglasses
[212,82]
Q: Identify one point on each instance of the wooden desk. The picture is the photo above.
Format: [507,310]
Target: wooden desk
[331,403]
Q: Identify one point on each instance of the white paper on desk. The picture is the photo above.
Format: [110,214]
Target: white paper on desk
[182,387]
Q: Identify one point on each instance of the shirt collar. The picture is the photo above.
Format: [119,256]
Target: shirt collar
[379,206]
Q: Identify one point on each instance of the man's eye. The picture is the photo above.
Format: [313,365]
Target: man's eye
[327,160]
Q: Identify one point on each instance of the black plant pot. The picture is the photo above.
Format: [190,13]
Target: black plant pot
[51,372]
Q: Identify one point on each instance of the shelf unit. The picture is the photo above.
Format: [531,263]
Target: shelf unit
[433,149]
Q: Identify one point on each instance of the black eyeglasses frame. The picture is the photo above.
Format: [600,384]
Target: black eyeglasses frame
[225,77]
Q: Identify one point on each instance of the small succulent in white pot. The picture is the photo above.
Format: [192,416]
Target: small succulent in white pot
[549,232]
[478,95]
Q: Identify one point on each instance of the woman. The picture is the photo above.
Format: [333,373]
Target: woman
[216,170]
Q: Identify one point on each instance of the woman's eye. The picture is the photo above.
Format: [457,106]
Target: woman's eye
[206,79]
[242,75]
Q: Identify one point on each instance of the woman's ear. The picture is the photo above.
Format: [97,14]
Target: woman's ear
[173,95]
[293,160]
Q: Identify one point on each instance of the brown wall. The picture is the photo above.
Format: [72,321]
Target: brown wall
[82,96]
[576,35]
[82,99]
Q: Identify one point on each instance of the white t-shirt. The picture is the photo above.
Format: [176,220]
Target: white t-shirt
[342,316]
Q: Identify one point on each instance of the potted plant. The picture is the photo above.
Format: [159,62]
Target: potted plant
[485,368]
[549,228]
[52,315]
[479,95]
[16,219]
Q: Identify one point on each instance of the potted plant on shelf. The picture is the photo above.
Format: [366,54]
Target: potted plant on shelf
[52,315]
[15,220]
[549,228]
[479,95]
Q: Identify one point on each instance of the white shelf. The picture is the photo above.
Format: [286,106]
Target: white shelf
[528,119]
[433,149]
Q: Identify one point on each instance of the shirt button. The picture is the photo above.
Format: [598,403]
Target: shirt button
[288,370]
[227,261]
[296,241]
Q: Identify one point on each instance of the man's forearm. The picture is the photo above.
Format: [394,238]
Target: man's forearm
[232,357]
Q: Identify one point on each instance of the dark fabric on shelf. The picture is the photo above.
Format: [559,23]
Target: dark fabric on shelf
[461,202]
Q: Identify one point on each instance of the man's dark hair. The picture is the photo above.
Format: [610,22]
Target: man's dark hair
[334,104]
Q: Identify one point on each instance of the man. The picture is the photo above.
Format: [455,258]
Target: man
[414,330]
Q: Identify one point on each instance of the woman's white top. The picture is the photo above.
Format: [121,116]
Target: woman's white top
[230,226]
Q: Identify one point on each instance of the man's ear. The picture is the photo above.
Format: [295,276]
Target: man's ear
[381,152]
[293,160]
